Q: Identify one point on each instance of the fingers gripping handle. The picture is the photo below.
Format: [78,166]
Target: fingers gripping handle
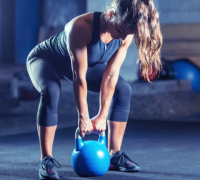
[79,143]
[78,140]
[77,134]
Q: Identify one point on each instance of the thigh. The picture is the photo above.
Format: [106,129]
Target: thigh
[44,76]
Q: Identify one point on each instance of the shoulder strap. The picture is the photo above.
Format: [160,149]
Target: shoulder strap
[95,28]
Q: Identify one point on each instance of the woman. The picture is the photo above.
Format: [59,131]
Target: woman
[90,52]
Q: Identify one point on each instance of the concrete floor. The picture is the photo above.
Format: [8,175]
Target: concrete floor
[164,151]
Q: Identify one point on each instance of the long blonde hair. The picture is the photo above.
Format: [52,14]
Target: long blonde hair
[148,37]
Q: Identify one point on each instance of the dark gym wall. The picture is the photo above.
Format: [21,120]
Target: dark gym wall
[27,23]
[20,21]
[58,13]
[7,31]
[19,26]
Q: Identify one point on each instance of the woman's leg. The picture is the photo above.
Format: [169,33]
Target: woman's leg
[118,115]
[46,138]
[44,77]
[115,135]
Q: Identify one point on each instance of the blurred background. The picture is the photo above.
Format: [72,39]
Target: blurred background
[173,96]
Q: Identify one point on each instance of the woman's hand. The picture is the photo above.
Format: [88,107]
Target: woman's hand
[85,126]
[99,124]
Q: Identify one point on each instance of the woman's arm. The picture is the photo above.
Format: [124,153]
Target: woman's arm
[110,77]
[77,39]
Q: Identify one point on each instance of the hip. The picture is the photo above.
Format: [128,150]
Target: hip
[63,66]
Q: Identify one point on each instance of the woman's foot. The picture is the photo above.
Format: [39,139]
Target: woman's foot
[47,168]
[120,161]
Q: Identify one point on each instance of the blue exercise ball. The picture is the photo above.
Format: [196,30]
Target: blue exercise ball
[186,70]
[90,158]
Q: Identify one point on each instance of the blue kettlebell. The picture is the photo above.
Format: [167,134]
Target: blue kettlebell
[90,158]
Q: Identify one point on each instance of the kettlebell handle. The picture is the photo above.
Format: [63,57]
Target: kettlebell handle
[79,143]
[78,136]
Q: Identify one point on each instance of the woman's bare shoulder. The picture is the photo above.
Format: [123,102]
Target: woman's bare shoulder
[81,24]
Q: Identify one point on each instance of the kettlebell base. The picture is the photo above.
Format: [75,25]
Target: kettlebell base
[89,175]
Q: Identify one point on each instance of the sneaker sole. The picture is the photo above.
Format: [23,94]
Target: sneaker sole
[52,177]
[112,167]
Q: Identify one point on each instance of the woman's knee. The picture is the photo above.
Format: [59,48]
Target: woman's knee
[49,99]
[48,106]
[128,89]
[124,89]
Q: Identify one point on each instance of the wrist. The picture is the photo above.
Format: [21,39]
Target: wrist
[83,115]
[103,115]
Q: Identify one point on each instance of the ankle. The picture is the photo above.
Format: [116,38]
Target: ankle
[43,156]
[113,151]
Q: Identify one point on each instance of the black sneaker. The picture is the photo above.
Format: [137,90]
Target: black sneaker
[47,168]
[120,161]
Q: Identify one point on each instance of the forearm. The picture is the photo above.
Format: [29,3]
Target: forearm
[80,96]
[106,93]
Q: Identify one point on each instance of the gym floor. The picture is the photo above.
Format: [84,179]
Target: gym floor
[164,151]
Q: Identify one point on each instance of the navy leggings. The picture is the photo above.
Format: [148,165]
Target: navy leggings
[45,77]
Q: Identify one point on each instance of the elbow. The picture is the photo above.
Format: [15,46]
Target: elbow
[112,75]
[112,72]
[78,77]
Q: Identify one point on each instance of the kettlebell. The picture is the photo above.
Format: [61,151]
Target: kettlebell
[90,158]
